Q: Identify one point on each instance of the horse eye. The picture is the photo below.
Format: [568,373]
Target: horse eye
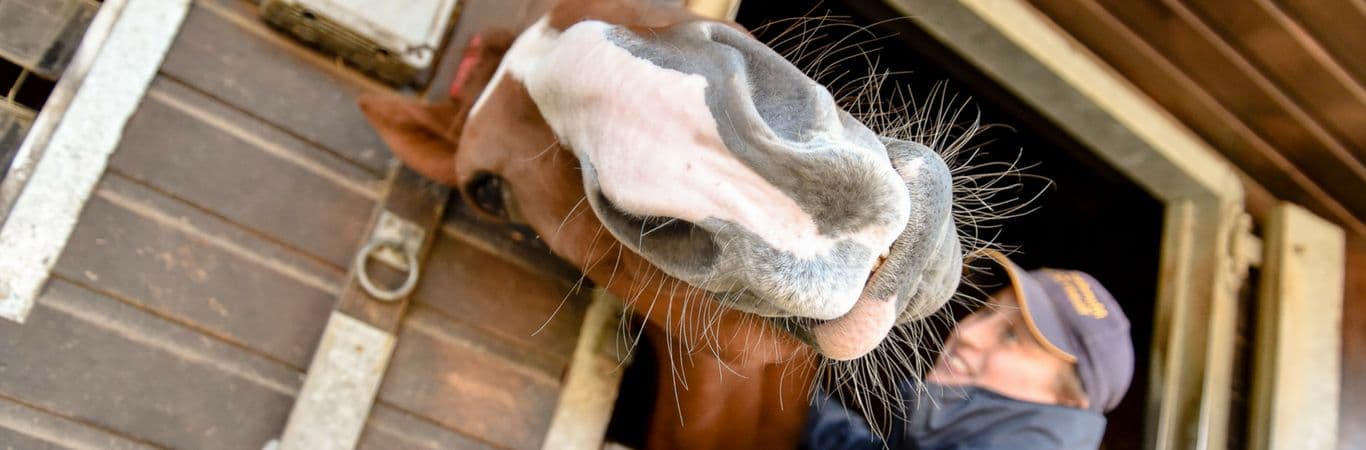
[485,190]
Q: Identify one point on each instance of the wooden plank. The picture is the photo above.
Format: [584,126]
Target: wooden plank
[265,137]
[414,199]
[1152,72]
[170,149]
[450,376]
[359,339]
[1295,390]
[12,440]
[342,379]
[590,387]
[1337,26]
[391,428]
[230,54]
[96,360]
[1288,55]
[74,156]
[199,271]
[1353,402]
[1198,51]
[24,427]
[482,291]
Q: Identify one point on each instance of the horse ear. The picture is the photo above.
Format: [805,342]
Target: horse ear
[423,135]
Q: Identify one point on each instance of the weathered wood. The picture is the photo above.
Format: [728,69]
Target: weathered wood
[1295,390]
[1152,72]
[1228,76]
[1337,26]
[418,201]
[235,58]
[590,387]
[1289,56]
[24,427]
[466,384]
[393,428]
[484,292]
[168,147]
[358,343]
[69,161]
[1353,402]
[198,271]
[119,368]
[335,400]
[13,440]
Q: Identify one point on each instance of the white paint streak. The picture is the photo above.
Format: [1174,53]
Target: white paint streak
[683,170]
[45,212]
[340,389]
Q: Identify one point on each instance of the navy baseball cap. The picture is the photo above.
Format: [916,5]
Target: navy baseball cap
[1075,318]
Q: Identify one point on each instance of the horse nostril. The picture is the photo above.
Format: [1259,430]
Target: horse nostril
[486,192]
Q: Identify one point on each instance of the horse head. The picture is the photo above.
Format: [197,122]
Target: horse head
[724,176]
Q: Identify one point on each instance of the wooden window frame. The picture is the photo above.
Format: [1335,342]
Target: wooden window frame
[1206,244]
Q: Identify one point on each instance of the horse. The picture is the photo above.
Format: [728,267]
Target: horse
[765,235]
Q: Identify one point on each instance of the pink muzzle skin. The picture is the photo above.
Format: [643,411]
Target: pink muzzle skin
[857,332]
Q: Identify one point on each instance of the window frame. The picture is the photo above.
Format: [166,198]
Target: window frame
[1202,263]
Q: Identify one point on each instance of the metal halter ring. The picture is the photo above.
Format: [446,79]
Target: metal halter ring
[409,253]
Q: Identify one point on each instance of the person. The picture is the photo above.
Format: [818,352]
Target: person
[1036,367]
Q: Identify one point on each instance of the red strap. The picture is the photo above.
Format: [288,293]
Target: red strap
[462,74]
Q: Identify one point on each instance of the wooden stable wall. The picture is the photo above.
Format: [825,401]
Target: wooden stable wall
[192,294]
[1352,425]
[1277,86]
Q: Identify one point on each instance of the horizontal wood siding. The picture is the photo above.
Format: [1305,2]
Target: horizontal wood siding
[95,360]
[253,175]
[483,292]
[233,56]
[1260,82]
[391,428]
[467,382]
[195,286]
[184,265]
[42,430]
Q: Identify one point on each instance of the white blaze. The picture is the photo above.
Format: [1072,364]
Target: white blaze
[650,136]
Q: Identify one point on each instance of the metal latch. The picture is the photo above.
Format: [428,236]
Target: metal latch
[396,243]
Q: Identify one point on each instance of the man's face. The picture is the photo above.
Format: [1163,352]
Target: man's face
[993,349]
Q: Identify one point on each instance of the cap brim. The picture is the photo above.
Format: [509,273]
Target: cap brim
[1041,316]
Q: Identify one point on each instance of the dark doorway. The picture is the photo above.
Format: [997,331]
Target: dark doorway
[1086,216]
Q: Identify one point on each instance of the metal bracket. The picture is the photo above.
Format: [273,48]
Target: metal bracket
[396,243]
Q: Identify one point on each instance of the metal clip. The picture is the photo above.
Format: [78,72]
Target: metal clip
[396,243]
